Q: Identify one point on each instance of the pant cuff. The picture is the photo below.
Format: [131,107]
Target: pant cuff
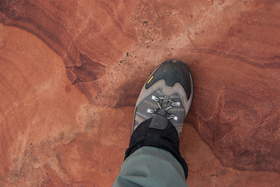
[166,139]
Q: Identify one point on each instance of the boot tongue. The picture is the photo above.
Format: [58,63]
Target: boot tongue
[162,113]
[158,122]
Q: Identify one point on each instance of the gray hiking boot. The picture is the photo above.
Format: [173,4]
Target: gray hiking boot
[167,93]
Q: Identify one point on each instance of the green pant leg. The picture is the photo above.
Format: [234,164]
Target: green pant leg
[151,167]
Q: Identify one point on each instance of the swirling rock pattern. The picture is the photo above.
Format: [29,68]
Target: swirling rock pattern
[71,72]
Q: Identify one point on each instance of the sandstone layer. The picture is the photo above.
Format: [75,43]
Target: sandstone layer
[70,72]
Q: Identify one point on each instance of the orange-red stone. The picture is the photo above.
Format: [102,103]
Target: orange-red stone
[70,72]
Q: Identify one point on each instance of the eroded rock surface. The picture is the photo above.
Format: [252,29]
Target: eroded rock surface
[68,65]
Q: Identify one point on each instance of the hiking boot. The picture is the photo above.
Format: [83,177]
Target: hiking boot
[167,94]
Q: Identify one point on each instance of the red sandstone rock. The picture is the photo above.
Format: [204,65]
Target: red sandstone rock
[68,86]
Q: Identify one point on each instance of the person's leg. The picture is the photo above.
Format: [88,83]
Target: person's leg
[151,167]
[153,157]
[153,162]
